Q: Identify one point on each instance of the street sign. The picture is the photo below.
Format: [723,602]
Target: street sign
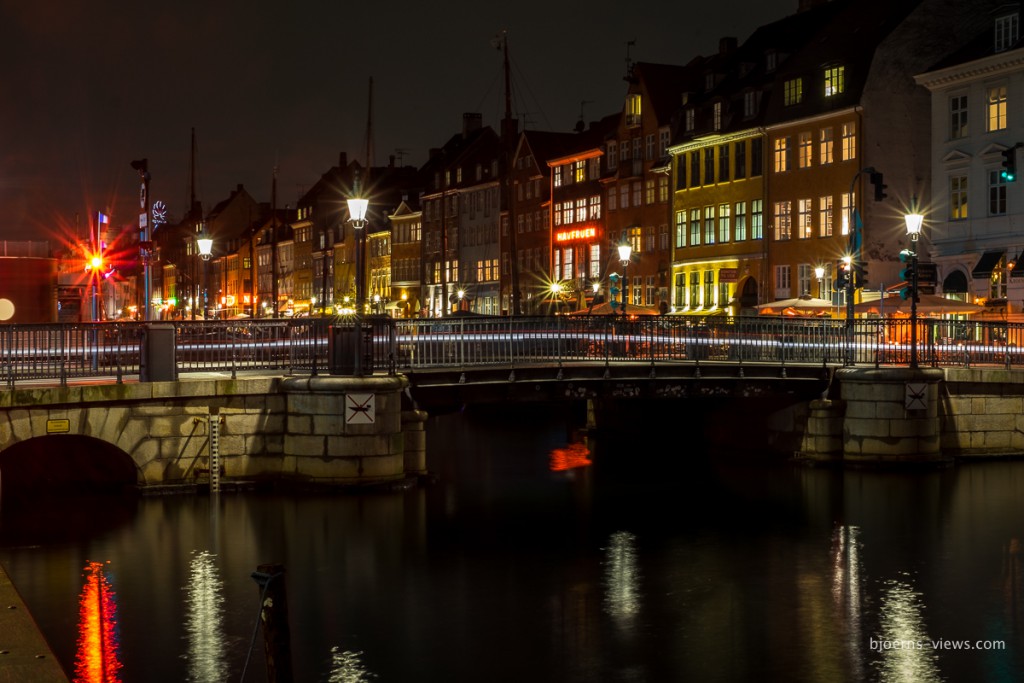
[927,274]
[359,409]
[916,396]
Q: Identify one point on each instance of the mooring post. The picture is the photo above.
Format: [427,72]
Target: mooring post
[274,620]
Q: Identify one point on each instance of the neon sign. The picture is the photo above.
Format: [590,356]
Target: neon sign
[575,234]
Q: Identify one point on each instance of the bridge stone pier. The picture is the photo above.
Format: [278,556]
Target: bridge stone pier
[327,429]
[928,415]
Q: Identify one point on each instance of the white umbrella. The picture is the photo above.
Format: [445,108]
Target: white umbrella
[801,305]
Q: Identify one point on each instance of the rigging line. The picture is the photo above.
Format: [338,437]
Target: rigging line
[526,84]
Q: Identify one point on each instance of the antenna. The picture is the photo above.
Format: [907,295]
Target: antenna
[400,153]
[629,60]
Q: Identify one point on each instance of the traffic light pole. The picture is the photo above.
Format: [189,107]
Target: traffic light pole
[913,308]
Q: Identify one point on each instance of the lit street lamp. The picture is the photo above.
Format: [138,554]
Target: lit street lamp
[819,273]
[357,215]
[205,244]
[625,252]
[914,222]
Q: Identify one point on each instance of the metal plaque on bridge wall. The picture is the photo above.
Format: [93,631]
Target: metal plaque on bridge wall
[359,409]
[916,397]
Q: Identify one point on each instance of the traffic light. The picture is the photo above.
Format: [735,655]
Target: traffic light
[876,180]
[842,271]
[860,274]
[613,279]
[1009,172]
[909,274]
[94,263]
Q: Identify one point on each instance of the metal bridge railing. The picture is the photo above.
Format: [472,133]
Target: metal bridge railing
[313,345]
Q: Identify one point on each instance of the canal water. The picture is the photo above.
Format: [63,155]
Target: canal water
[540,554]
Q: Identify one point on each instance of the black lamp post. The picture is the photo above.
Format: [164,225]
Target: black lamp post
[205,244]
[357,215]
[914,222]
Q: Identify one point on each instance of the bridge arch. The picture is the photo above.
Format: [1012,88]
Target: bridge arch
[65,464]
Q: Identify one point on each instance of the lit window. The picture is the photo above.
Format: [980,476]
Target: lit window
[783,221]
[632,110]
[780,157]
[958,197]
[996,108]
[804,150]
[835,82]
[805,218]
[849,141]
[793,92]
[825,215]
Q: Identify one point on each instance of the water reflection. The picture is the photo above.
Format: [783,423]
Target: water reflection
[622,578]
[347,667]
[96,660]
[573,456]
[907,653]
[847,591]
[204,620]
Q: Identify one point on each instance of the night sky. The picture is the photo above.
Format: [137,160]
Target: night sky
[88,87]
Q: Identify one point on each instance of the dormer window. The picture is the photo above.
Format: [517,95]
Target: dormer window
[771,60]
[633,111]
[1007,31]
[709,82]
[793,91]
[691,118]
[749,104]
[835,80]
[717,116]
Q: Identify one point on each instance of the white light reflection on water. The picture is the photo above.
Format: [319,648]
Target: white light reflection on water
[907,654]
[847,592]
[204,621]
[622,578]
[346,667]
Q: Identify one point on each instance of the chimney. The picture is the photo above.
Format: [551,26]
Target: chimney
[391,161]
[727,45]
[342,160]
[471,122]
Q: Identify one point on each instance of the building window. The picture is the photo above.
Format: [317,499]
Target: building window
[825,215]
[694,289]
[709,165]
[690,120]
[632,110]
[958,117]
[594,208]
[847,200]
[680,229]
[803,278]
[580,171]
[662,189]
[637,196]
[783,221]
[793,91]
[741,159]
[709,225]
[1007,32]
[663,140]
[595,261]
[624,196]
[782,282]
[695,169]
[825,146]
[998,280]
[649,147]
[756,157]
[804,150]
[996,108]
[805,218]
[612,203]
[694,227]
[649,191]
[613,149]
[780,155]
[958,197]
[716,110]
[723,163]
[835,80]
[749,104]
[723,222]
[849,141]
[740,226]
[996,194]
[757,219]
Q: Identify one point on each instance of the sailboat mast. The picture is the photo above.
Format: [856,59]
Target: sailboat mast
[273,243]
[508,138]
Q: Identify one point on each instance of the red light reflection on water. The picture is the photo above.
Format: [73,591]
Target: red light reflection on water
[96,660]
[573,456]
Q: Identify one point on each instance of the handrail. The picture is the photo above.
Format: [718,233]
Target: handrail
[65,351]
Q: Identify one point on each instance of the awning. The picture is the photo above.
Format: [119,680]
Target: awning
[986,263]
[955,282]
